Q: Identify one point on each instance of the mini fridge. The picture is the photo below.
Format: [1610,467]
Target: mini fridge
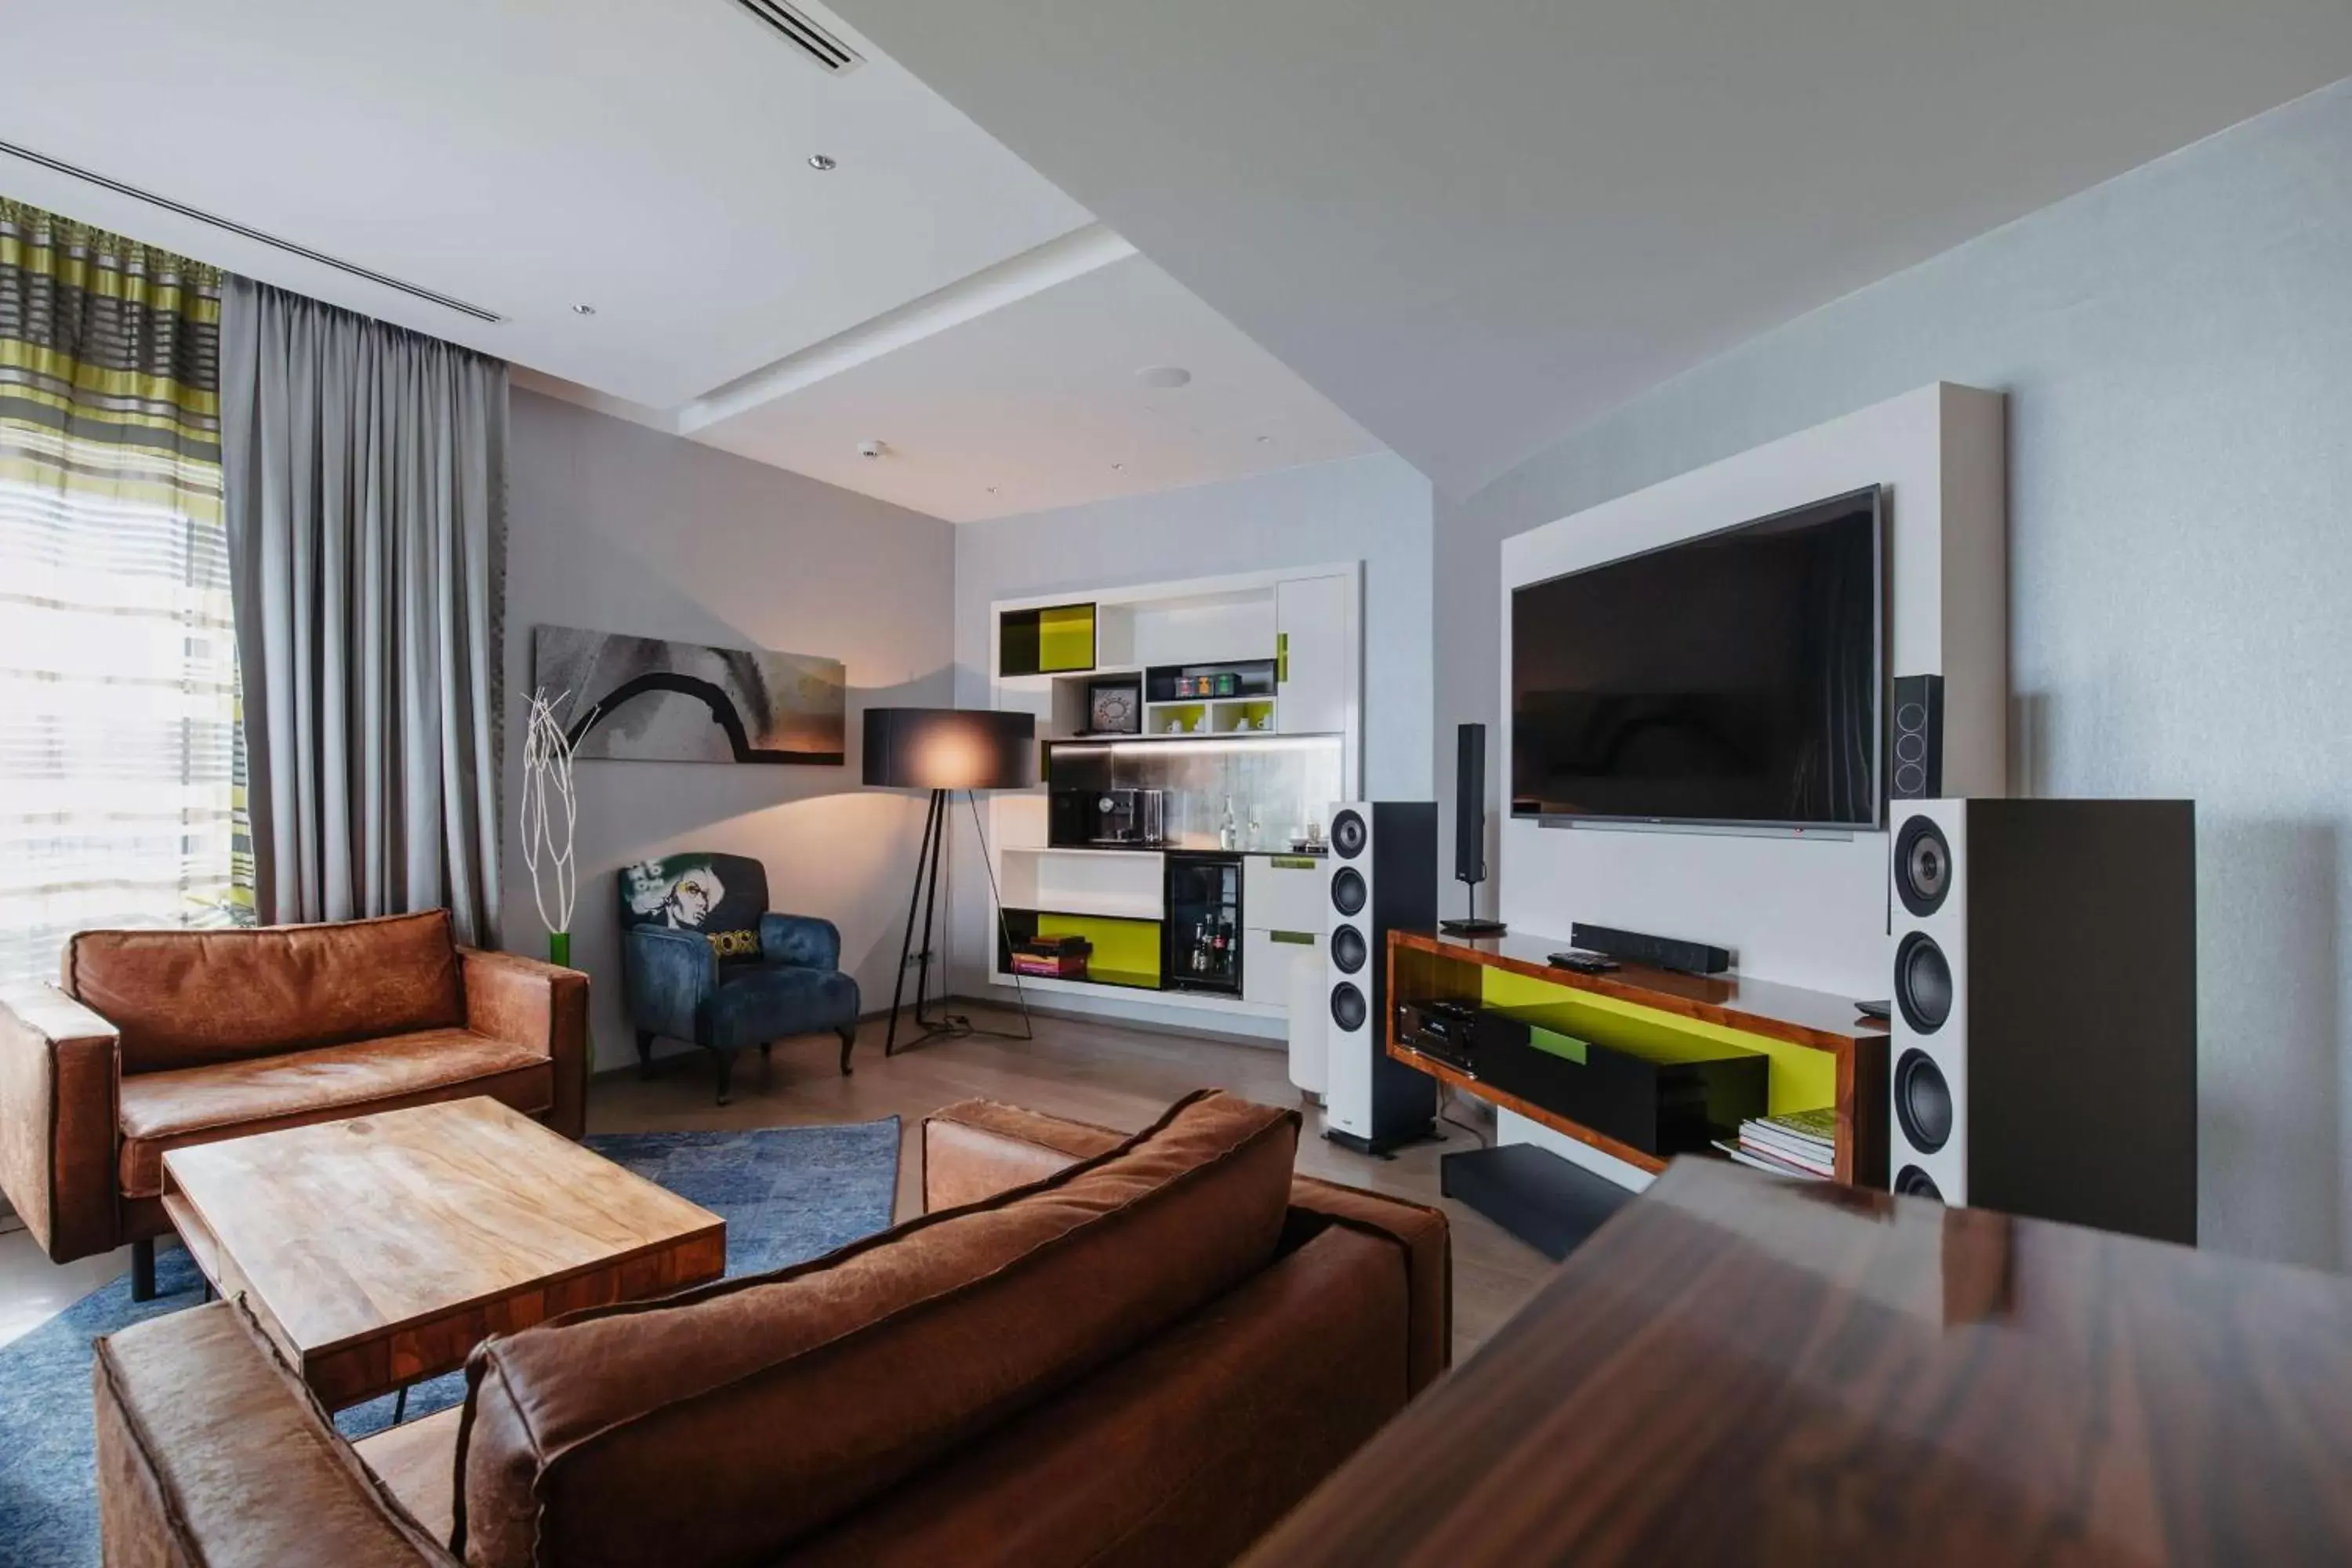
[1204,924]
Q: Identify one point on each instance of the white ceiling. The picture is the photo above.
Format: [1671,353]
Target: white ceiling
[1040,399]
[1474,225]
[649,158]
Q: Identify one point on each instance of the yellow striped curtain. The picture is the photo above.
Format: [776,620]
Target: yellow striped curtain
[119,794]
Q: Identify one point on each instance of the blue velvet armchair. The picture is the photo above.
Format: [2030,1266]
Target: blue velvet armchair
[703,960]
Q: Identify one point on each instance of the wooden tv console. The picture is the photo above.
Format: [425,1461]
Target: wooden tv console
[1424,964]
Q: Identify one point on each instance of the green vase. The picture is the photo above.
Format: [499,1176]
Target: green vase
[559,948]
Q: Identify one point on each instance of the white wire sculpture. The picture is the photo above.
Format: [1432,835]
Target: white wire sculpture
[550,811]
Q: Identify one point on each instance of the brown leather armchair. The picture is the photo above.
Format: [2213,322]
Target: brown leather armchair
[156,1040]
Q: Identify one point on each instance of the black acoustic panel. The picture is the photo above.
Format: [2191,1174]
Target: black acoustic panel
[949,747]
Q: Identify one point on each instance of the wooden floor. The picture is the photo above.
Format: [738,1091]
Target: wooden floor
[1102,1072]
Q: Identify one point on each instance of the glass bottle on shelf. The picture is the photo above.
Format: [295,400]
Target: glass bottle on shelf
[1256,837]
[1228,836]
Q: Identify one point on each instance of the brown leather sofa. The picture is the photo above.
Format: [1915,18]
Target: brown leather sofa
[1090,1349]
[160,1038]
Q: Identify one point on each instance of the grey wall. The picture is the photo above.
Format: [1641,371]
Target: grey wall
[1376,510]
[2177,346]
[618,528]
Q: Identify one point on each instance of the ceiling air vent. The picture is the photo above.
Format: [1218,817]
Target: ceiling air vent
[805,35]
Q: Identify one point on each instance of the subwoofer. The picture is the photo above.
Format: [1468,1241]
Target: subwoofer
[1380,876]
[2043,1051]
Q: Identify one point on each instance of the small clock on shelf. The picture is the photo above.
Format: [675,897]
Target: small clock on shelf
[1114,708]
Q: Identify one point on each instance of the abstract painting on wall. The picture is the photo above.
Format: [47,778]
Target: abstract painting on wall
[644,699]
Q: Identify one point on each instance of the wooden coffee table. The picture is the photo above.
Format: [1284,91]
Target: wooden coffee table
[382,1249]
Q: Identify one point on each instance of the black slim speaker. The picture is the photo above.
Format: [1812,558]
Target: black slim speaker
[1919,737]
[2043,968]
[1470,803]
[1470,828]
[1657,952]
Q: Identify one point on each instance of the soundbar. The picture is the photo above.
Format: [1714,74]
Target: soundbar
[1658,951]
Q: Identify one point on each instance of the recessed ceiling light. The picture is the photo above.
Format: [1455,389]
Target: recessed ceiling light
[821,162]
[584,310]
[1163,375]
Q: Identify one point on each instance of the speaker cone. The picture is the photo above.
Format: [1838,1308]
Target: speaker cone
[1923,983]
[1348,950]
[1348,1007]
[1915,1182]
[1923,866]
[1348,891]
[1349,834]
[1923,1102]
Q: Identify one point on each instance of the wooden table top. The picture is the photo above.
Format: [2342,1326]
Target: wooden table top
[1742,1370]
[460,1218]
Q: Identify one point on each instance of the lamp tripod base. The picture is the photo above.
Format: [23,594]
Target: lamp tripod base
[923,904]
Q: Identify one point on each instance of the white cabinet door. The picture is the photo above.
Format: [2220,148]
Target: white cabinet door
[1267,957]
[1284,892]
[1316,655]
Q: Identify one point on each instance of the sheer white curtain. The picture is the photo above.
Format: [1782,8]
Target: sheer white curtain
[119,793]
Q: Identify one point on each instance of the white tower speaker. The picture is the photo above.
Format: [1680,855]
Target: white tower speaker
[2043,1050]
[1380,876]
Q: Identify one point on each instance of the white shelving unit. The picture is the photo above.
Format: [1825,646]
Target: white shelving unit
[1306,623]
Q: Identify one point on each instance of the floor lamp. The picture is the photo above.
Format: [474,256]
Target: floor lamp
[944,749]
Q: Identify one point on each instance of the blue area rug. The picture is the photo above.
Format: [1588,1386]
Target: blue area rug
[787,1193]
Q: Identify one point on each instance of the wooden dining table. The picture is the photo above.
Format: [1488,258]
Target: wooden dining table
[1739,1369]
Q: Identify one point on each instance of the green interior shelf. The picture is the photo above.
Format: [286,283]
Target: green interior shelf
[1800,1078]
[1126,952]
[1056,640]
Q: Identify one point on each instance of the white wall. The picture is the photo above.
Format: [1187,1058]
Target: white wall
[2177,348]
[618,528]
[1375,510]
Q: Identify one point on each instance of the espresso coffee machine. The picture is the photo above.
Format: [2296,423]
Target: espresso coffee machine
[1118,816]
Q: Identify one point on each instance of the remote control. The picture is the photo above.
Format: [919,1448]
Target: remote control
[1581,961]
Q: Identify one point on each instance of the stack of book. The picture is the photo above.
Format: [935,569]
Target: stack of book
[1800,1143]
[1053,957]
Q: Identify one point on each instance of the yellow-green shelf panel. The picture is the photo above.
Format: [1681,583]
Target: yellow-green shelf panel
[1800,1078]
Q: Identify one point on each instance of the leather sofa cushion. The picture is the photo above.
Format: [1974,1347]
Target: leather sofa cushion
[211,1451]
[1183,1452]
[187,998]
[165,1110]
[722,1424]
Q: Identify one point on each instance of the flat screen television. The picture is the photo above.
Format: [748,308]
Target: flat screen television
[1733,678]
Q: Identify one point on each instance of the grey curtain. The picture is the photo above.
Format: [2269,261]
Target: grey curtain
[365,476]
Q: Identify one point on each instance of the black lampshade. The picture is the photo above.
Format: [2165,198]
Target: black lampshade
[949,747]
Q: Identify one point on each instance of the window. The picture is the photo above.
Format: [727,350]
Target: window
[120,788]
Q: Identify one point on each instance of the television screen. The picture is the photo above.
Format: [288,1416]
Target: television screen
[1733,679]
